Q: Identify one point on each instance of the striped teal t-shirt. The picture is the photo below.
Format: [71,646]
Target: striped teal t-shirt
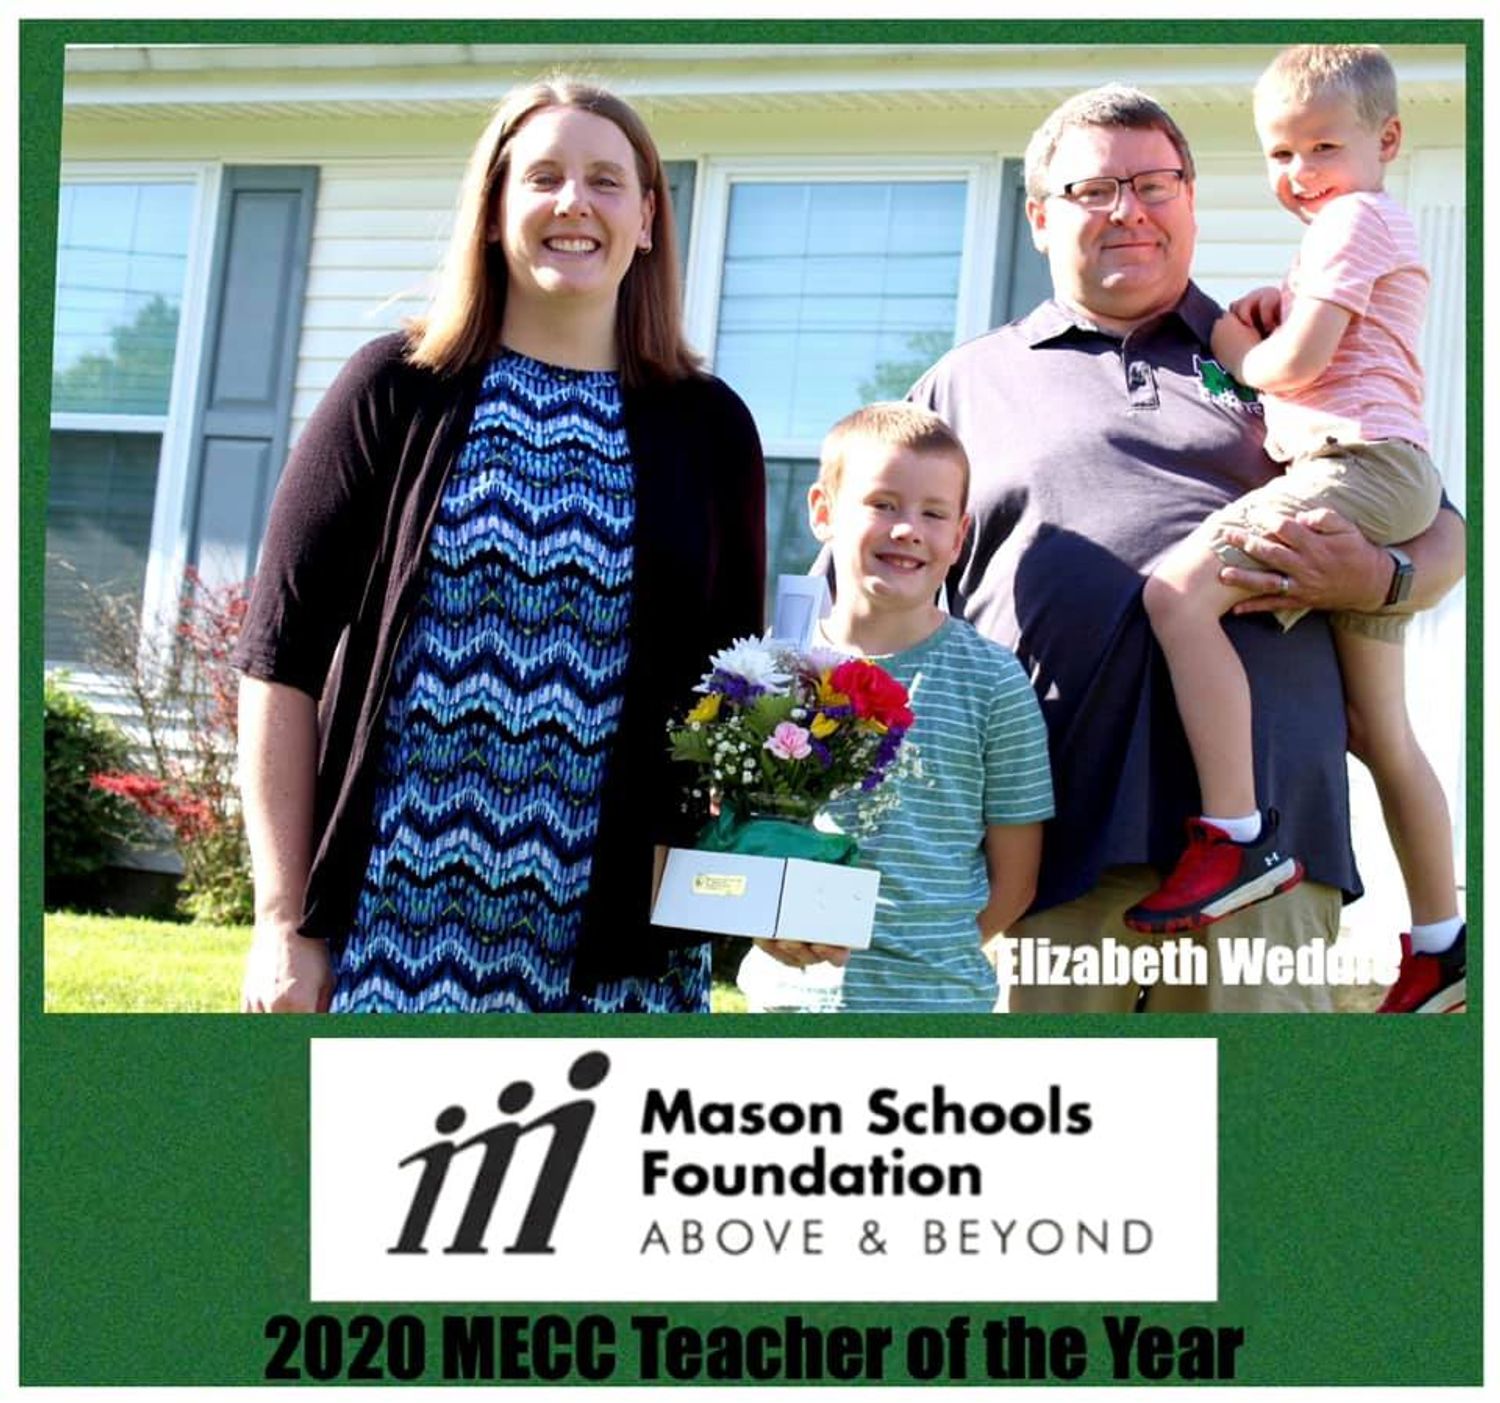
[983,753]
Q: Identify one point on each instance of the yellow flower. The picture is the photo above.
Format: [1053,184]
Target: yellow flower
[822,726]
[826,694]
[707,709]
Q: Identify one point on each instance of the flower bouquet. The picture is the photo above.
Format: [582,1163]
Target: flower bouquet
[778,734]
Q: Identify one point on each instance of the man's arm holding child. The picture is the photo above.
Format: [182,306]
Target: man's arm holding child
[1330,565]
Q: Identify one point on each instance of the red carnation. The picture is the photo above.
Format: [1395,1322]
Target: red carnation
[873,693]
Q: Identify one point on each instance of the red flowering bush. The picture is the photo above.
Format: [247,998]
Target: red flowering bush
[155,799]
[873,693]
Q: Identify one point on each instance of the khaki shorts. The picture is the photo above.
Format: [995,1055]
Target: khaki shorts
[1308,912]
[1389,489]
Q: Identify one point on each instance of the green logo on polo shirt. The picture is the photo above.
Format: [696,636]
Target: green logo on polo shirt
[1217,384]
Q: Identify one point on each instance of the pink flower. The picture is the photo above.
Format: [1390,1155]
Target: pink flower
[789,742]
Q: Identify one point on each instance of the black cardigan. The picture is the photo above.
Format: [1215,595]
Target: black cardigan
[339,572]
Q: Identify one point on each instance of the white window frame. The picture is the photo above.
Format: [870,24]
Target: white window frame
[167,553]
[710,228]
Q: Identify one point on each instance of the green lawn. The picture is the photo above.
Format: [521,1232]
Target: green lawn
[117,964]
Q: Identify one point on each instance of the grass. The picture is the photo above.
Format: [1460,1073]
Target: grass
[120,964]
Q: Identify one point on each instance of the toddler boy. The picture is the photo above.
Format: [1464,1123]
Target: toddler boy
[1334,353]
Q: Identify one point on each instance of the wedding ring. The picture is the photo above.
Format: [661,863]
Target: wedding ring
[1286,584]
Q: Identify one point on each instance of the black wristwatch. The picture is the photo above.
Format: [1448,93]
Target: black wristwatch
[1402,577]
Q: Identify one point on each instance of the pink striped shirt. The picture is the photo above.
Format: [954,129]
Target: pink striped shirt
[1360,252]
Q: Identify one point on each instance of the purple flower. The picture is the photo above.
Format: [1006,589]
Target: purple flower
[734,687]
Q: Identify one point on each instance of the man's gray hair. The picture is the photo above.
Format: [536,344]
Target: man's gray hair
[1113,105]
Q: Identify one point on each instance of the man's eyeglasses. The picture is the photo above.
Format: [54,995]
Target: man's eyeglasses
[1103,191]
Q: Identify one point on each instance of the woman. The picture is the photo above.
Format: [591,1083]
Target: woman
[500,554]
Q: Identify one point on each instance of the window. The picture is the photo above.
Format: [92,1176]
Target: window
[826,284]
[835,293]
[122,271]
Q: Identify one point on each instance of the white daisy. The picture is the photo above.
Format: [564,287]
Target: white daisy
[751,659]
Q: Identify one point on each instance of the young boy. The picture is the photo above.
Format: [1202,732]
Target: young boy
[958,856]
[1334,353]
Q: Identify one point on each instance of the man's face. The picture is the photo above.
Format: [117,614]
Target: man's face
[1117,266]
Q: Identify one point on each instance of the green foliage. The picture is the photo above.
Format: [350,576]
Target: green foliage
[691,745]
[135,376]
[82,826]
[216,885]
[891,379]
[766,713]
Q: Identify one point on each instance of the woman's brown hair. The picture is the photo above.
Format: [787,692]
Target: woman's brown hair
[462,325]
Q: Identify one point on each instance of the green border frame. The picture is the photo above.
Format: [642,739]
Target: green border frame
[164,1159]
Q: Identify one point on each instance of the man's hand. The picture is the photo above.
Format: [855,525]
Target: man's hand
[286,972]
[801,953]
[1260,310]
[1327,563]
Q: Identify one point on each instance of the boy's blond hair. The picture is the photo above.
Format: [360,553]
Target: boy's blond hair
[1360,72]
[899,425]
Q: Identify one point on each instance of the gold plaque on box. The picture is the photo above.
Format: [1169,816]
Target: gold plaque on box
[716,884]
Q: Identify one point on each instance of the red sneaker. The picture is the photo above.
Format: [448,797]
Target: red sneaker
[1216,877]
[1430,983]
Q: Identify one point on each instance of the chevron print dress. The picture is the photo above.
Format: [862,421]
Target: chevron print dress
[505,694]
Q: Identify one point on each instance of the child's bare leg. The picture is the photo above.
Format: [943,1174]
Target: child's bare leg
[1380,735]
[1185,600]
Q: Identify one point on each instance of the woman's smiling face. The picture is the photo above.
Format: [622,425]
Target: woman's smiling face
[572,214]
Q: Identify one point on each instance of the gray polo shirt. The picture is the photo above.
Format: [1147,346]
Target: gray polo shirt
[1091,456]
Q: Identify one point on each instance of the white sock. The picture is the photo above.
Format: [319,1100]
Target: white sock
[1434,939]
[1242,830]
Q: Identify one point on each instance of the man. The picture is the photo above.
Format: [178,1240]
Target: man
[1100,434]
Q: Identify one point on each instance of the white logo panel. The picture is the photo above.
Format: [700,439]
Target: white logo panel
[852,1169]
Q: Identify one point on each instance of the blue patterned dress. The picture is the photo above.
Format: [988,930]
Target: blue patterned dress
[505,694]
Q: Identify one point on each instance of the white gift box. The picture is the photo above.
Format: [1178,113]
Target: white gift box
[785,898]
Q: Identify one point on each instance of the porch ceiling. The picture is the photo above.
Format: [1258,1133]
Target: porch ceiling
[267,82]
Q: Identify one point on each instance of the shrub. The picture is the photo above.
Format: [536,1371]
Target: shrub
[83,826]
[186,695]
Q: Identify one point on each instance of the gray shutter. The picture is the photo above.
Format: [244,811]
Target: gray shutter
[1021,276]
[244,400]
[681,176]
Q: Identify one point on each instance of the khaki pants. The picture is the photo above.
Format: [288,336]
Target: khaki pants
[1303,914]
[1389,489]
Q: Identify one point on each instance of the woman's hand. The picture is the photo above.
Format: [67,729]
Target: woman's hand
[801,953]
[1322,557]
[286,972]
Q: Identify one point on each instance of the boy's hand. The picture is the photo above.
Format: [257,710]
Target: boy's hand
[1260,309]
[801,953]
[1231,341]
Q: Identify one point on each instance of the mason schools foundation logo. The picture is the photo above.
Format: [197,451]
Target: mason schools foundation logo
[496,1145]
